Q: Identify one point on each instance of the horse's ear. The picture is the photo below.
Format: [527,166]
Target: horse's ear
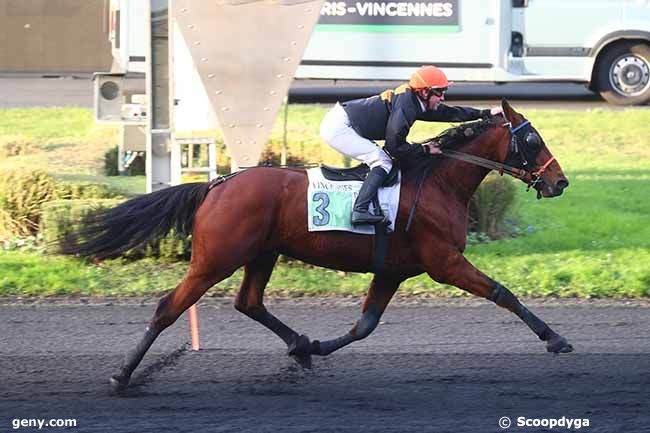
[507,110]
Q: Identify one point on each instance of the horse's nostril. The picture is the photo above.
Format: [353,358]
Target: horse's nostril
[561,184]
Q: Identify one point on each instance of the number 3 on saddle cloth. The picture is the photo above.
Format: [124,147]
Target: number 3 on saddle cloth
[331,195]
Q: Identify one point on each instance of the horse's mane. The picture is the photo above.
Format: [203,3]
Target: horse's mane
[454,137]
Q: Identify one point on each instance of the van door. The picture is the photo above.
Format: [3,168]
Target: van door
[558,34]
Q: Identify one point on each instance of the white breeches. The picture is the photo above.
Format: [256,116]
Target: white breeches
[335,129]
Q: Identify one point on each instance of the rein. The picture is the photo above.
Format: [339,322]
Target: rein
[425,171]
[488,163]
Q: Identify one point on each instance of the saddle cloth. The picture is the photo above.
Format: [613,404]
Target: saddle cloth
[329,203]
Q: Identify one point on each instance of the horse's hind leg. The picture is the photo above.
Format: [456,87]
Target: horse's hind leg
[250,302]
[381,291]
[170,307]
[459,272]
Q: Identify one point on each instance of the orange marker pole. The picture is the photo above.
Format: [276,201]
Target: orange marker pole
[194,327]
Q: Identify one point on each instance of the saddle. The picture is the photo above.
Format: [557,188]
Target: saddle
[358,172]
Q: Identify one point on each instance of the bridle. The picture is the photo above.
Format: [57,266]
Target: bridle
[522,134]
[516,151]
[521,138]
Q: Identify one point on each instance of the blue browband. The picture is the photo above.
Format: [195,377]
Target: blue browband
[513,130]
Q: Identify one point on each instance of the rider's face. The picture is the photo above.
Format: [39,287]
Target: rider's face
[435,98]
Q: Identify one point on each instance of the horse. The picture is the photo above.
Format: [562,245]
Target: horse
[251,217]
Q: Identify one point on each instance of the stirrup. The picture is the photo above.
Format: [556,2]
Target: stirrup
[359,218]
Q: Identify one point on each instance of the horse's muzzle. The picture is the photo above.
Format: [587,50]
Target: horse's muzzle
[560,185]
[557,189]
[549,190]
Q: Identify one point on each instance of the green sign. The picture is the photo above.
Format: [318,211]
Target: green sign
[390,16]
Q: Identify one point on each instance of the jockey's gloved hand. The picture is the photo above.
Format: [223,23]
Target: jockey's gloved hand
[489,112]
[432,148]
[496,110]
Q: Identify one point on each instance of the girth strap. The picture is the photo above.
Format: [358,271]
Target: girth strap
[381,240]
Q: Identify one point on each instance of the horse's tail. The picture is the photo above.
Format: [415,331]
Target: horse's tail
[110,232]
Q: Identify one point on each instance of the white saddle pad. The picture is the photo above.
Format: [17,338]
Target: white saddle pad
[329,203]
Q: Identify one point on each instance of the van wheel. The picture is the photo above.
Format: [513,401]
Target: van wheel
[623,74]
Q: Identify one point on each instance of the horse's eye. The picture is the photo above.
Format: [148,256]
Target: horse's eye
[533,140]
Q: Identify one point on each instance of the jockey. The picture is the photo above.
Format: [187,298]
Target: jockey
[350,128]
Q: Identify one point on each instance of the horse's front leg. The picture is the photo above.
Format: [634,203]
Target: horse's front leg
[456,270]
[381,291]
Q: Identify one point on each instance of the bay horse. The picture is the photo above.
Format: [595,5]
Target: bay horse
[256,214]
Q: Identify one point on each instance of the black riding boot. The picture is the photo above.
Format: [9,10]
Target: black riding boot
[360,213]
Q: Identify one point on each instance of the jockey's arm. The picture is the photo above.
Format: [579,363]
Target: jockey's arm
[448,113]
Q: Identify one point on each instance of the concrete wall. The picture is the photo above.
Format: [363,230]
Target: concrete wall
[54,36]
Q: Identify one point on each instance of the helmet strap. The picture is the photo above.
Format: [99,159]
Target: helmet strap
[424,97]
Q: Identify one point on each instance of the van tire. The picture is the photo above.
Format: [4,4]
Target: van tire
[623,73]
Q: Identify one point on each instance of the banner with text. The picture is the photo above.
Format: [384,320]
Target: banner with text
[390,16]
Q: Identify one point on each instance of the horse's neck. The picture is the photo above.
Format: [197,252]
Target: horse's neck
[463,177]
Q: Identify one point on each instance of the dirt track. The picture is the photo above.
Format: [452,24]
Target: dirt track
[429,367]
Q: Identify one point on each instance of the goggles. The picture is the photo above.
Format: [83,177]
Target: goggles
[437,91]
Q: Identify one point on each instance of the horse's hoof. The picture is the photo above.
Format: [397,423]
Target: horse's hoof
[119,383]
[300,351]
[559,344]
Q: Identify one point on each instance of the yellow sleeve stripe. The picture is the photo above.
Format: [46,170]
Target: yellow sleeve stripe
[401,89]
[387,95]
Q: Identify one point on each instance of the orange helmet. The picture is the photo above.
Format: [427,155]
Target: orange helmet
[428,77]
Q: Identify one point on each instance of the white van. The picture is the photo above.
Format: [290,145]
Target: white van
[604,44]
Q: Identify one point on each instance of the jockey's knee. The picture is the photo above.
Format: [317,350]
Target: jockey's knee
[386,165]
[379,158]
